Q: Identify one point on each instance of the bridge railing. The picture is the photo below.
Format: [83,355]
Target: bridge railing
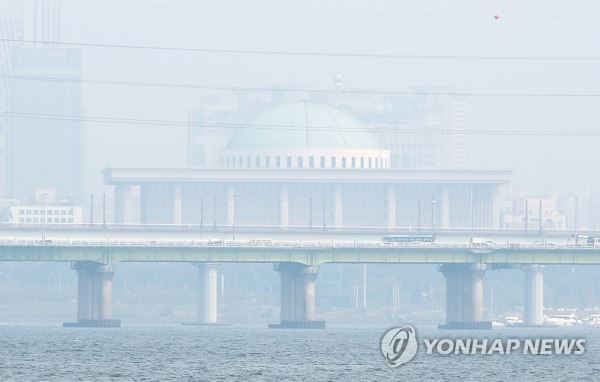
[5,226]
[280,244]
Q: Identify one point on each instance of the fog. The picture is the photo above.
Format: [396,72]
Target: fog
[528,74]
[381,27]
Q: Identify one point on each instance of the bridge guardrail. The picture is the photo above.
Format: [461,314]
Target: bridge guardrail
[278,244]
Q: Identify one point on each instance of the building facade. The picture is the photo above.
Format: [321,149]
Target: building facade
[45,129]
[51,214]
[348,182]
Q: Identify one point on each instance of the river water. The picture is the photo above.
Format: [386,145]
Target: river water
[237,353]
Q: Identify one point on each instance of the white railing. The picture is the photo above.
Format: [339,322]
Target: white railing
[280,244]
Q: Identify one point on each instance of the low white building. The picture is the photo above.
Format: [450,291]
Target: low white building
[53,214]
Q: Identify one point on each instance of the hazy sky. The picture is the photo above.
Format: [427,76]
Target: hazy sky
[540,28]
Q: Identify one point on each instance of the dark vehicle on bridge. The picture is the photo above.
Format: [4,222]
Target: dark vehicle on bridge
[389,239]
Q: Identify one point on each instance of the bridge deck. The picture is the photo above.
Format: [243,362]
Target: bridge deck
[309,253]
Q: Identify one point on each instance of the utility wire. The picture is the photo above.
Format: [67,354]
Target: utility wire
[294,89]
[301,128]
[305,53]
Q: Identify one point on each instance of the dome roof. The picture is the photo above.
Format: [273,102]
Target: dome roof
[303,124]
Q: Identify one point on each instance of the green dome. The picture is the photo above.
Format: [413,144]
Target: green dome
[303,124]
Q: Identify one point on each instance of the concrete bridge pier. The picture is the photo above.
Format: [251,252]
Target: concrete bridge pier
[533,314]
[94,292]
[206,305]
[207,308]
[464,296]
[298,297]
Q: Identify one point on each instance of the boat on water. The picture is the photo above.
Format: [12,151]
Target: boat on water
[593,321]
[561,320]
[512,321]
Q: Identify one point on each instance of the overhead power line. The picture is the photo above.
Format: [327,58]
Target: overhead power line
[301,128]
[265,52]
[296,89]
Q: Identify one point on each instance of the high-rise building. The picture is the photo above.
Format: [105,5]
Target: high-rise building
[11,28]
[422,130]
[45,130]
[207,136]
[42,20]
[44,134]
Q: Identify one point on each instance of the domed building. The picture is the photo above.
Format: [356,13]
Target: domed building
[304,134]
[300,171]
[306,164]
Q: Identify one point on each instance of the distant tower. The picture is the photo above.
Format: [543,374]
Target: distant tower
[11,28]
[44,154]
[42,20]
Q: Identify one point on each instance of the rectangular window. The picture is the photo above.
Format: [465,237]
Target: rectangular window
[289,162]
[248,162]
[322,162]
[311,162]
[362,162]
[343,162]
[300,162]
[370,162]
[333,164]
[353,162]
[376,162]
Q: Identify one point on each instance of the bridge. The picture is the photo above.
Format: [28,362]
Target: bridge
[275,232]
[297,253]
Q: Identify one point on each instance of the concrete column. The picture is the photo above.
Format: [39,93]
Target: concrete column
[475,283]
[464,293]
[104,277]
[284,206]
[445,207]
[94,290]
[496,207]
[123,204]
[298,296]
[288,297]
[391,206]
[453,295]
[230,205]
[534,295]
[177,214]
[486,203]
[84,294]
[338,217]
[207,308]
[305,294]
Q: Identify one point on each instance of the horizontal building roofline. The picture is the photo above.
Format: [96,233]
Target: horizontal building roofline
[291,175]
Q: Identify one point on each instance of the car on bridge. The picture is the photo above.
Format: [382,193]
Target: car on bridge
[482,242]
